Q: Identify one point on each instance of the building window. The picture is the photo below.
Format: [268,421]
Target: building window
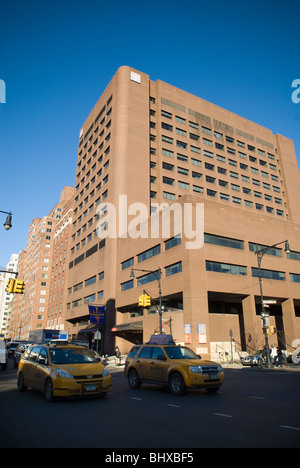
[147,278]
[170,243]
[173,269]
[218,267]
[128,263]
[269,274]
[90,298]
[90,281]
[149,253]
[295,278]
[223,241]
[127,285]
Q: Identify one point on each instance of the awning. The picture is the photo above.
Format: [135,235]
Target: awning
[132,332]
[90,329]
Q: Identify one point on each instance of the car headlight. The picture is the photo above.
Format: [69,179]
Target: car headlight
[64,374]
[195,369]
[220,369]
[105,372]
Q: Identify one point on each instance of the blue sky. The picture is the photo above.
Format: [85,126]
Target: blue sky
[56,58]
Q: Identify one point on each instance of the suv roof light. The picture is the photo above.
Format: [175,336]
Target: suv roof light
[161,339]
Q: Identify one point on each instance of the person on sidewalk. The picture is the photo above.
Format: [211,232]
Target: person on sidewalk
[118,356]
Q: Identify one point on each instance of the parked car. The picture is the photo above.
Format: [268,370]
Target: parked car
[62,371]
[3,355]
[255,359]
[177,367]
[21,348]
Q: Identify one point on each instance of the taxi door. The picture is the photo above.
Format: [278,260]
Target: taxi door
[41,370]
[159,365]
[29,365]
[143,361]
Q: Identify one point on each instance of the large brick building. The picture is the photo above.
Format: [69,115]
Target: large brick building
[150,143]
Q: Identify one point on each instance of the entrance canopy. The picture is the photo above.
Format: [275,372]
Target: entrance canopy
[132,332]
[90,329]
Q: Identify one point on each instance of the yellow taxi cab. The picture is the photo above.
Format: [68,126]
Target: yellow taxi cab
[162,362]
[62,371]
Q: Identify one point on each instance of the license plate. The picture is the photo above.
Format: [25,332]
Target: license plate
[90,388]
[213,377]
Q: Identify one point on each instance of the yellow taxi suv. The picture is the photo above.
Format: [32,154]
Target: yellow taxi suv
[177,367]
[62,371]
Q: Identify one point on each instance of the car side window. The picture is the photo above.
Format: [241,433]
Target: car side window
[146,352]
[43,357]
[34,353]
[157,352]
[133,351]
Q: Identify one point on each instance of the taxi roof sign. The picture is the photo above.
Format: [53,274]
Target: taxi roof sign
[161,339]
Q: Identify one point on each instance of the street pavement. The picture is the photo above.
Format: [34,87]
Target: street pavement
[255,408]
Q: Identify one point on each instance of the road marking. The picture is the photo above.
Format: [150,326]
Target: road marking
[135,398]
[258,397]
[223,415]
[174,406]
[291,427]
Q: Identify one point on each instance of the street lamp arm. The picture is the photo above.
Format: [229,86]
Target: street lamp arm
[261,252]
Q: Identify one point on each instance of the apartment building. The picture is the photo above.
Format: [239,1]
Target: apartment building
[55,316]
[42,267]
[147,145]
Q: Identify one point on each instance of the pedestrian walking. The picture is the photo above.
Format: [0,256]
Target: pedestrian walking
[118,355]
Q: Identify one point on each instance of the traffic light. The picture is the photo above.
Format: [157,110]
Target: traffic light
[144,300]
[141,301]
[147,300]
[19,287]
[10,285]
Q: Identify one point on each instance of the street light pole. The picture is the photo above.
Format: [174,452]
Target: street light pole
[260,253]
[157,274]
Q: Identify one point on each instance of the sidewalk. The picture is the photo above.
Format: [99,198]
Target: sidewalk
[285,368]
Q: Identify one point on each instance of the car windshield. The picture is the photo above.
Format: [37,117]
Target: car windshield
[179,352]
[71,356]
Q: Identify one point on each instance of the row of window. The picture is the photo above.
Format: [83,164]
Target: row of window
[87,282]
[212,266]
[208,239]
[214,180]
[85,300]
[211,166]
[241,270]
[223,196]
[169,270]
[208,142]
[220,130]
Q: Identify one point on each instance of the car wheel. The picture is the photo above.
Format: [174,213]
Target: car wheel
[176,384]
[133,379]
[21,384]
[48,390]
